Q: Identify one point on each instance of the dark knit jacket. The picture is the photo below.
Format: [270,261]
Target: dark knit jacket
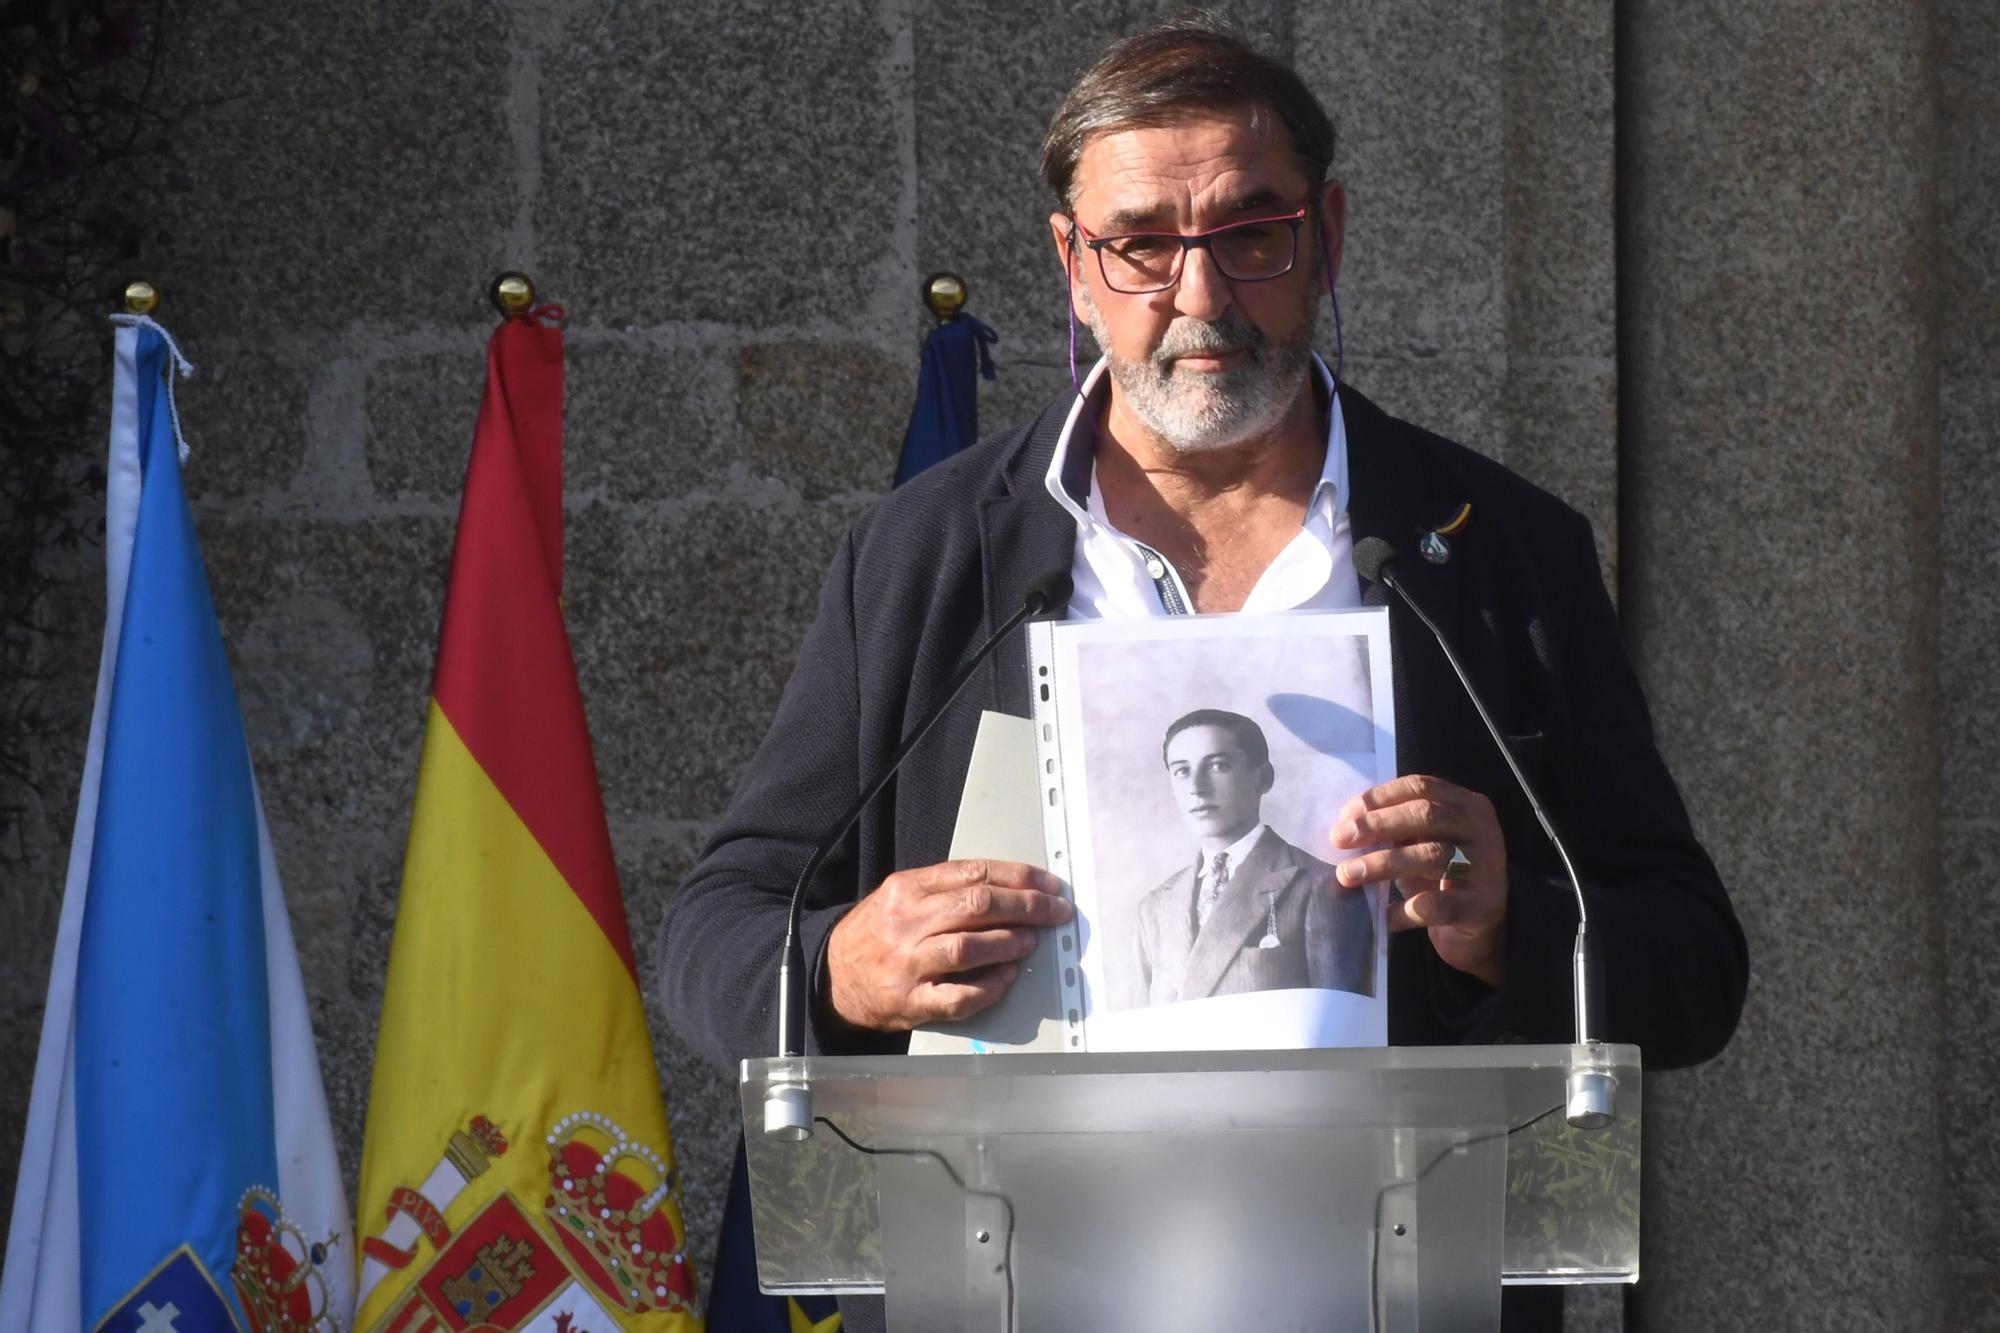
[933,567]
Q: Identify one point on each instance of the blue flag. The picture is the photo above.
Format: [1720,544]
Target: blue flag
[946,417]
[179,1170]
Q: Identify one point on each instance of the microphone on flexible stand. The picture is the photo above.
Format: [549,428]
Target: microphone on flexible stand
[1592,1091]
[788,1102]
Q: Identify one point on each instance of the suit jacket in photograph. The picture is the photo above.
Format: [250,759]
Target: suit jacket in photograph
[1325,938]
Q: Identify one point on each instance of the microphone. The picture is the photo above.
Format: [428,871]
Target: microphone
[788,1103]
[1592,1091]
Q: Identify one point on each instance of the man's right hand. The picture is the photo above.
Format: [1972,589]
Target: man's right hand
[938,943]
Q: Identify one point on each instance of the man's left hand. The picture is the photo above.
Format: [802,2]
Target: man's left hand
[1413,823]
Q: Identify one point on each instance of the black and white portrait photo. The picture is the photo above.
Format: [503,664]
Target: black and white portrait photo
[1202,762]
[1248,911]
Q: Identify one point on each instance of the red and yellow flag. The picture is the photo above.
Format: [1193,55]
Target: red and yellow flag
[517,1171]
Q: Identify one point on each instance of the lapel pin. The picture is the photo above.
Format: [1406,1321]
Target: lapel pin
[1433,545]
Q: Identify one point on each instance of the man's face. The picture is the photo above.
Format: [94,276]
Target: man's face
[1208,363]
[1220,792]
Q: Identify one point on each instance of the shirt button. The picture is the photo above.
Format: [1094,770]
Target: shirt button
[1155,569]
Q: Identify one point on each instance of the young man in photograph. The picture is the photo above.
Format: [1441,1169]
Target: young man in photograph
[1253,912]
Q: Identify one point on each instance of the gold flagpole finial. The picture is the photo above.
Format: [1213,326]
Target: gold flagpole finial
[141,297]
[512,294]
[944,293]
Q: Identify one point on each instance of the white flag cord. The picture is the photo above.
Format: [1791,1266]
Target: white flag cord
[181,364]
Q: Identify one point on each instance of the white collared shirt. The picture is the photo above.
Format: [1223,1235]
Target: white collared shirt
[1119,578]
[1207,895]
[1235,851]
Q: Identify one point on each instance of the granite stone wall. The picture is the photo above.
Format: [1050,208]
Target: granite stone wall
[1967,44]
[736,202]
[1782,548]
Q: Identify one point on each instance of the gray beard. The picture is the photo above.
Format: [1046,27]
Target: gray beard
[1197,412]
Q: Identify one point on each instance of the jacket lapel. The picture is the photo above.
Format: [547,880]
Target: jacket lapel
[1239,916]
[1394,499]
[1023,533]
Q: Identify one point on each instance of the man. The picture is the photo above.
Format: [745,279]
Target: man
[1253,912]
[1212,463]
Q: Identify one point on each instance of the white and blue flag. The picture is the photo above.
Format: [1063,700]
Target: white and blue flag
[179,1173]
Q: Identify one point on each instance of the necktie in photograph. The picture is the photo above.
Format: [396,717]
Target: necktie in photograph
[1211,888]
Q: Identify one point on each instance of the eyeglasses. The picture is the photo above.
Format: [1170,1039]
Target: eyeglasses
[1150,261]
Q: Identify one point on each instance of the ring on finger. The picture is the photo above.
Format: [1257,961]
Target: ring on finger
[1458,866]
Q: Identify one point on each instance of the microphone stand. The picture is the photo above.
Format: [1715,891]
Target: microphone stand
[1592,1090]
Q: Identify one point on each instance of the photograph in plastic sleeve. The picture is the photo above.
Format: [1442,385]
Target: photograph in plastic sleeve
[1203,762]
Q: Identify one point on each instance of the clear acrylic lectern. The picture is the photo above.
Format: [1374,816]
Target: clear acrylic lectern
[1389,1189]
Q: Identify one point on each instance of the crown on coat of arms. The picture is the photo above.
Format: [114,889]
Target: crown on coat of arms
[277,1270]
[473,1148]
[611,1201]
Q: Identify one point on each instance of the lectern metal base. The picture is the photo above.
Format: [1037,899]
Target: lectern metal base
[1363,1190]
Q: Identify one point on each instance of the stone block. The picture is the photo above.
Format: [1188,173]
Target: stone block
[1458,397]
[332,630]
[245,417]
[1562,434]
[639,423]
[1970,583]
[1968,65]
[1972,1040]
[308,128]
[1413,92]
[1972,1305]
[1780,549]
[648,424]
[307,668]
[1968,78]
[51,714]
[1019,392]
[1559,165]
[337,874]
[1969,403]
[828,419]
[685,628]
[762,190]
[1971,789]
[420,415]
[1593,1310]
[20,1037]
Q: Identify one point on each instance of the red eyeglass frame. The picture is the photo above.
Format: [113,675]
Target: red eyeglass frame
[1200,240]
